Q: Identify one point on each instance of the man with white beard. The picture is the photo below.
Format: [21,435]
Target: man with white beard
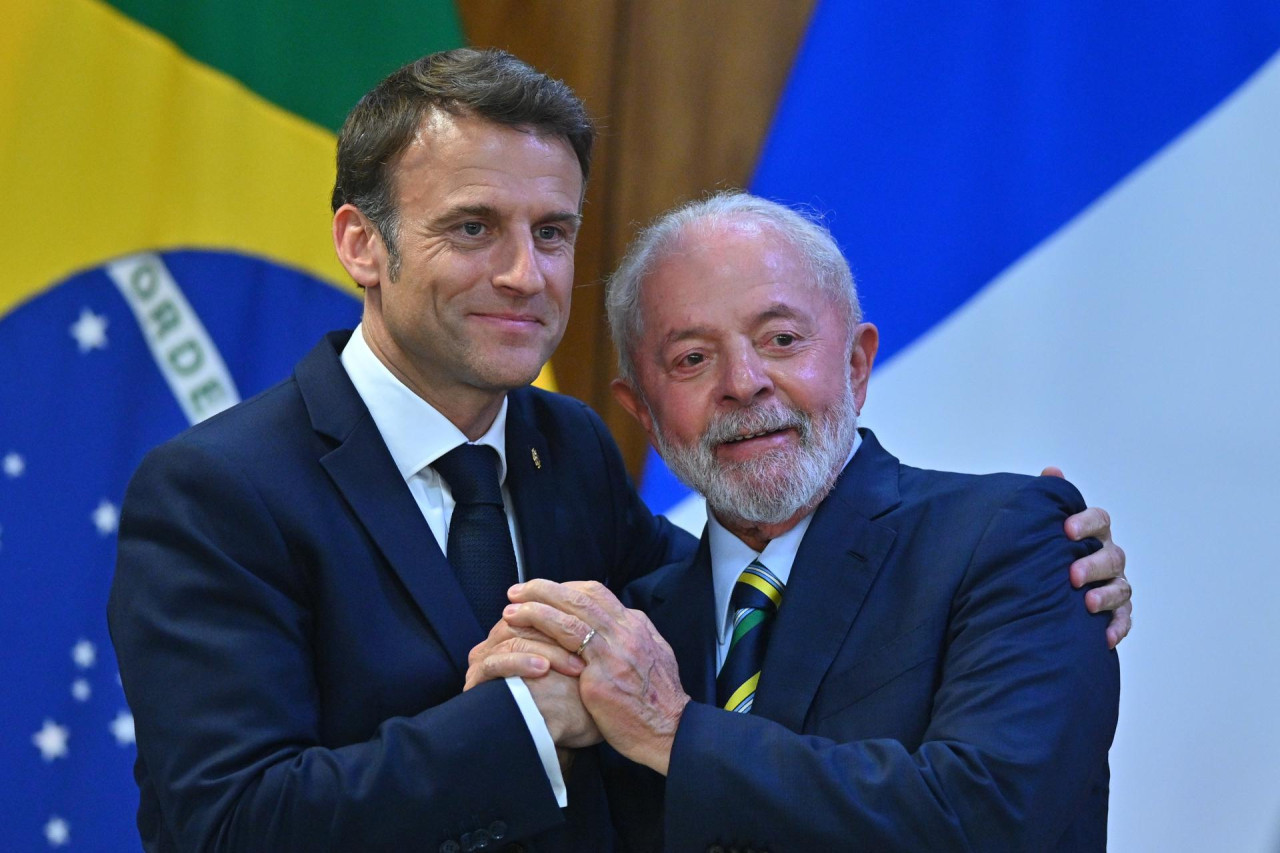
[862,655]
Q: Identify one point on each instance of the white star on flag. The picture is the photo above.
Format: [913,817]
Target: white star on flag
[14,465]
[84,653]
[51,740]
[80,690]
[122,728]
[106,517]
[57,831]
[90,331]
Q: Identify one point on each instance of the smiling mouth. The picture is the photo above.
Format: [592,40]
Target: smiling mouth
[739,438]
[510,318]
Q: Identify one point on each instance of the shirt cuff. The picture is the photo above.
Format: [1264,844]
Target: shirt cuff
[541,737]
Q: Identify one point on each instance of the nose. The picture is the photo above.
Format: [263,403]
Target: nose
[519,268]
[746,376]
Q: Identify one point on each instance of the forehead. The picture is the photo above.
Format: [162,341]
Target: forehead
[727,275]
[462,158]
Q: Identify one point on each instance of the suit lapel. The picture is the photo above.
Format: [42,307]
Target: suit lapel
[362,470]
[531,480]
[838,560]
[683,609]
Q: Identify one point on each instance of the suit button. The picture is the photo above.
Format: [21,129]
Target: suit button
[478,840]
[715,848]
[450,846]
[497,829]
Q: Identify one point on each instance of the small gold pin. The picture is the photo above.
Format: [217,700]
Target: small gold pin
[537,460]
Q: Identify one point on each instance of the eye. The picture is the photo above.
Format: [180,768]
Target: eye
[692,359]
[784,339]
[549,232]
[472,229]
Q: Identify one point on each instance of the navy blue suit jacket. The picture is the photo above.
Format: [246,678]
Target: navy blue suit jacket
[292,641]
[932,681]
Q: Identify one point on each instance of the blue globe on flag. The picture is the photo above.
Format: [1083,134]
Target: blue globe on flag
[94,372]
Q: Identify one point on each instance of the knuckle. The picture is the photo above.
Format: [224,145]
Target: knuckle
[591,690]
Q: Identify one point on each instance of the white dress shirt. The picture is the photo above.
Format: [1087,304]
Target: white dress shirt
[417,434]
[730,555]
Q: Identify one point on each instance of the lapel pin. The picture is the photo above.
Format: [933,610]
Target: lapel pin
[537,460]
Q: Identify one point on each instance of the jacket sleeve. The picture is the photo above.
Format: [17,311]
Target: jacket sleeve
[1021,722]
[211,616]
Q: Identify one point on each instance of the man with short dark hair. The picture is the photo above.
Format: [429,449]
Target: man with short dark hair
[867,656]
[292,639]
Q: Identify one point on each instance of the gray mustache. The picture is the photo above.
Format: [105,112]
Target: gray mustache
[755,419]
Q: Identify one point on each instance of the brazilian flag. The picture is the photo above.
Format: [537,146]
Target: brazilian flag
[166,169]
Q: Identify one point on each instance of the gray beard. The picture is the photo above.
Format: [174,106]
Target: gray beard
[775,486]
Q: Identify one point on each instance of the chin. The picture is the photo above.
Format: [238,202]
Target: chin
[507,377]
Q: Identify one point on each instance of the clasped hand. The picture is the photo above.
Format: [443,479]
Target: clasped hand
[624,686]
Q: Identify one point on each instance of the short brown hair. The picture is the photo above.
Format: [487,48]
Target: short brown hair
[490,84]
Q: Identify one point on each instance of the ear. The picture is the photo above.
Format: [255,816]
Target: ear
[629,398]
[359,246]
[866,340]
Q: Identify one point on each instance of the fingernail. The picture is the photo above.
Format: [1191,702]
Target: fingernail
[516,590]
[509,610]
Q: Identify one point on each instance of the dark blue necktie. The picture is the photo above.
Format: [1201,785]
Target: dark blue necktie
[479,546]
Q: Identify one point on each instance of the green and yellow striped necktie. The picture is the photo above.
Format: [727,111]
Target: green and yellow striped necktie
[754,604]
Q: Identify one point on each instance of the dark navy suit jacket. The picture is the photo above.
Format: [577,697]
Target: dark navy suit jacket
[932,682]
[293,643]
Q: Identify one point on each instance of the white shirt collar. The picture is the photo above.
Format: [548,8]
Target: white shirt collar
[730,555]
[415,432]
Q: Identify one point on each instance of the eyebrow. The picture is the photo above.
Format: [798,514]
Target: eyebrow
[563,216]
[687,334]
[488,211]
[778,311]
